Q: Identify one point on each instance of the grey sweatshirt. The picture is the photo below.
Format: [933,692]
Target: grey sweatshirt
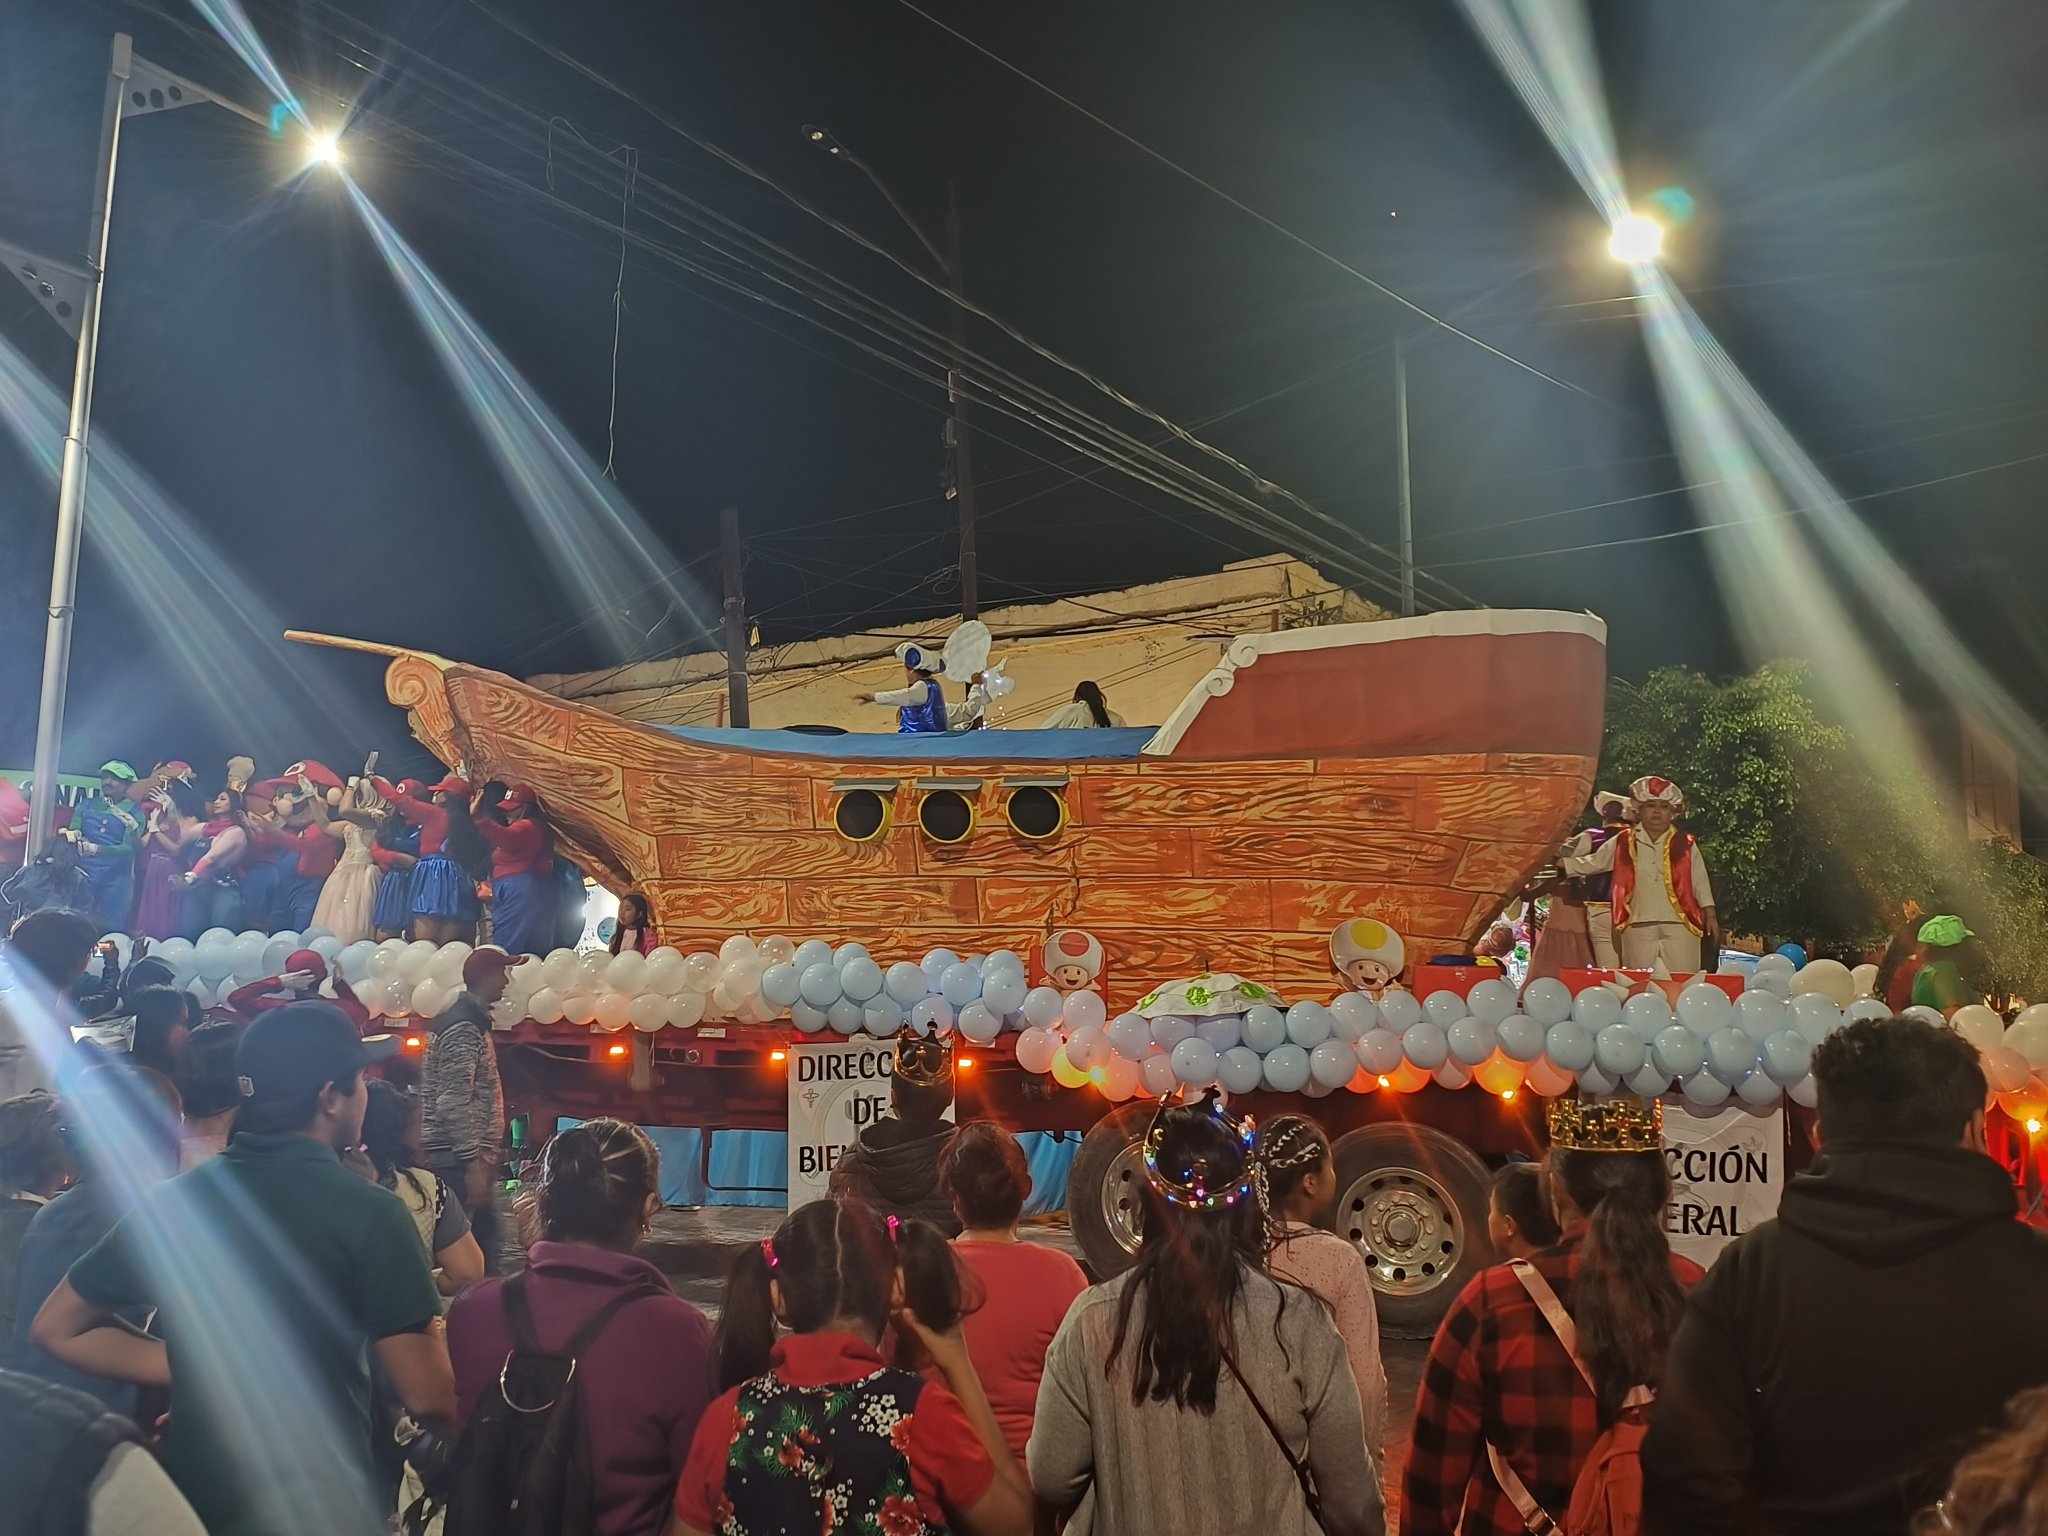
[1137,1469]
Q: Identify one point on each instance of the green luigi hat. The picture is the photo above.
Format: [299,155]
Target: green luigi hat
[1944,932]
[116,769]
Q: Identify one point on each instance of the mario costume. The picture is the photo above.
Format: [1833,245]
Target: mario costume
[920,703]
[1662,902]
[522,874]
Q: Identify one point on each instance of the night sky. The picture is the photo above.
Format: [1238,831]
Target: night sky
[1868,244]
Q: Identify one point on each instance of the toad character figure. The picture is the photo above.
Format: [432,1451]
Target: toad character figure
[1367,954]
[1072,960]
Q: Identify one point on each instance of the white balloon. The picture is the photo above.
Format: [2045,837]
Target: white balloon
[1082,1010]
[614,1011]
[683,1010]
[1978,1025]
[248,957]
[428,998]
[2028,1035]
[559,968]
[1865,977]
[648,1012]
[1034,1049]
[665,972]
[739,947]
[415,958]
[626,972]
[545,1006]
[741,977]
[275,953]
[580,1009]
[327,947]
[774,950]
[1041,1006]
[700,971]
[354,961]
[1830,978]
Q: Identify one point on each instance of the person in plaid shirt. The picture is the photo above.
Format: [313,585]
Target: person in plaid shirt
[1498,1376]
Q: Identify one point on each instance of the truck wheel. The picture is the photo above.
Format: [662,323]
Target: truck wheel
[1414,1202]
[1105,1203]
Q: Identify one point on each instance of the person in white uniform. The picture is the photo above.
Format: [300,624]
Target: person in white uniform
[1663,902]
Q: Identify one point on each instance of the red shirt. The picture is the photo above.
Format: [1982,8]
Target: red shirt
[271,992]
[1498,1375]
[949,1470]
[431,819]
[1027,1289]
[319,850]
[521,847]
[644,1381]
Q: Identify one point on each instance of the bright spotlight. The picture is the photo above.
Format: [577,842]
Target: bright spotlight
[1635,238]
[324,150]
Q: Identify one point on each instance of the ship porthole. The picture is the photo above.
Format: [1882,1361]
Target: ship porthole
[946,815]
[1036,812]
[862,815]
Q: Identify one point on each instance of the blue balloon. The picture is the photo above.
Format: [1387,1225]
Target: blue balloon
[1264,1027]
[1130,1036]
[1704,1008]
[1704,1089]
[1194,1062]
[1648,1081]
[1788,1057]
[935,965]
[1239,1069]
[929,1015]
[819,986]
[1444,1008]
[1815,1016]
[1286,1068]
[1425,1044]
[904,982]
[1677,1051]
[1569,1044]
[1758,1091]
[1379,1051]
[1309,1025]
[1042,1007]
[1805,1092]
[1002,960]
[1760,1015]
[1489,1001]
[1595,1083]
[806,1018]
[1399,1009]
[1647,1014]
[1004,991]
[1331,1064]
[847,952]
[882,1017]
[1731,1055]
[1223,1030]
[809,953]
[1777,983]
[1619,1051]
[1548,1001]
[960,985]
[781,985]
[1471,1040]
[978,1023]
[1521,1038]
[1796,953]
[846,1016]
[1169,1029]
[860,979]
[1596,1008]
[1352,1014]
[1867,1008]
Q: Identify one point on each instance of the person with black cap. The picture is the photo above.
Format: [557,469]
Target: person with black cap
[275,1271]
[462,1103]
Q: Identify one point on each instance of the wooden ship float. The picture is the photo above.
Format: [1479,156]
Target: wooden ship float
[1415,770]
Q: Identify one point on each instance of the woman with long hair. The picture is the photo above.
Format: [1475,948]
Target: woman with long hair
[1301,1193]
[442,901]
[1027,1287]
[522,854]
[213,896]
[395,850]
[391,1140]
[2001,1488]
[171,836]
[816,1431]
[645,1375]
[1508,1413]
[1195,1382]
[1088,710]
[348,897]
[634,927]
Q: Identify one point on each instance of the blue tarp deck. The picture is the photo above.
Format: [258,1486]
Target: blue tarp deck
[1121,742]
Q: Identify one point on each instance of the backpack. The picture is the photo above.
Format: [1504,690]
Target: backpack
[57,1443]
[522,1465]
[1607,1496]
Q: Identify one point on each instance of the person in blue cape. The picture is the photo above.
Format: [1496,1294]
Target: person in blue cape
[920,702]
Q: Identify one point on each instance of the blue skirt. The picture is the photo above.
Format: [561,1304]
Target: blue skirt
[440,889]
[394,902]
[523,913]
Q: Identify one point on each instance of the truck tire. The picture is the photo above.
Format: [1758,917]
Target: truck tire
[1105,1204]
[1413,1200]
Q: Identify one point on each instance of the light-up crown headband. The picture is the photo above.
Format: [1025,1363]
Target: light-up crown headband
[1201,1186]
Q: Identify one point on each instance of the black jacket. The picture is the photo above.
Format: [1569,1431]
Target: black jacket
[894,1166]
[1835,1362]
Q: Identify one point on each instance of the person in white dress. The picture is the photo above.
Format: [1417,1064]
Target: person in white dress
[348,901]
[1088,711]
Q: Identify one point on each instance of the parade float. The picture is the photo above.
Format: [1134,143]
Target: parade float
[1319,790]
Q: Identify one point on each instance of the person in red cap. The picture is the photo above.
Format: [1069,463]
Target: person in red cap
[462,1102]
[300,799]
[522,872]
[442,901]
[304,976]
[395,849]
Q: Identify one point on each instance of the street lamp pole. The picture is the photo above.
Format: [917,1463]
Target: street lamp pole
[1401,462]
[77,463]
[958,442]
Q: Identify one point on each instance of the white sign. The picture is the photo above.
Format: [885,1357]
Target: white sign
[837,1088]
[1727,1172]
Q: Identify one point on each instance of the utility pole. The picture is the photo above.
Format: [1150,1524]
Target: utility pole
[1401,458]
[957,436]
[71,487]
[735,618]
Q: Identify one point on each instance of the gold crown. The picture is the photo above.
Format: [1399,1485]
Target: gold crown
[924,1060]
[1607,1125]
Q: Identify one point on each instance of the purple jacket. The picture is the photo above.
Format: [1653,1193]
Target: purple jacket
[645,1382]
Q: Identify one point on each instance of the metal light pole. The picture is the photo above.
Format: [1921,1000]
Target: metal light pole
[135,88]
[957,440]
[1401,459]
[71,487]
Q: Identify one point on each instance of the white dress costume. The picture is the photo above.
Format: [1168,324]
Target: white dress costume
[349,898]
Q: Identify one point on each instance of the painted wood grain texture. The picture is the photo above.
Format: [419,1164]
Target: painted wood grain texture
[1191,768]
[1519,808]
[844,908]
[1500,866]
[1317,906]
[1446,762]
[792,855]
[726,905]
[1250,797]
[1116,902]
[736,807]
[1336,854]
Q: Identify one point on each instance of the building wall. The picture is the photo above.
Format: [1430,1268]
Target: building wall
[1146,646]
